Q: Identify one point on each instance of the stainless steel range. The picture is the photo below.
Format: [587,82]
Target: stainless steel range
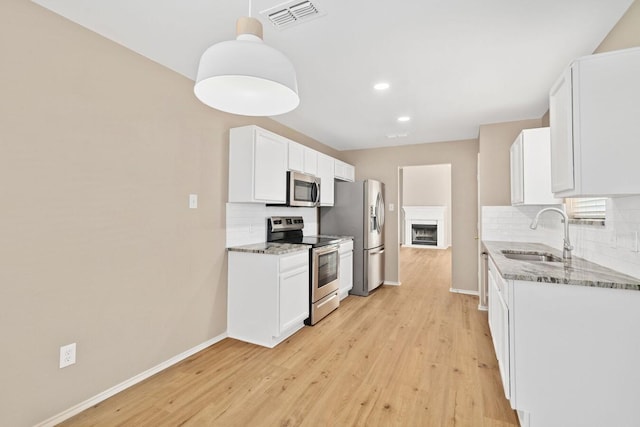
[324,262]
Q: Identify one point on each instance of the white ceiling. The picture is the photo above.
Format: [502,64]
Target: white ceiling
[452,64]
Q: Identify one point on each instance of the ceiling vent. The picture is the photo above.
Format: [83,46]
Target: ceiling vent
[292,13]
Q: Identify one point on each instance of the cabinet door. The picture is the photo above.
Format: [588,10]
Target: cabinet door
[296,157]
[346,273]
[561,123]
[270,168]
[293,297]
[499,326]
[344,171]
[517,171]
[504,359]
[326,173]
[310,161]
[492,294]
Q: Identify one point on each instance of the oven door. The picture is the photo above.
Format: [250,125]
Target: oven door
[302,190]
[325,264]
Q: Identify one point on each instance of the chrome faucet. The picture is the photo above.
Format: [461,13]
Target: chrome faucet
[567,248]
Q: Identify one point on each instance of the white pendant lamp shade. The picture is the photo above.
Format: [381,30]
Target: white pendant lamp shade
[247,77]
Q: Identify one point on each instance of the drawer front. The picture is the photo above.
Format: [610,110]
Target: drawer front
[297,260]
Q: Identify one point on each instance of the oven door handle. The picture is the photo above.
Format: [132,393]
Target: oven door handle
[325,249]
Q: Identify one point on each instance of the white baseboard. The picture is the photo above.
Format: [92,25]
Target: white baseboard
[74,410]
[390,283]
[464,291]
[524,418]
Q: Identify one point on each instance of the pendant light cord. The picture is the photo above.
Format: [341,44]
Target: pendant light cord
[249,8]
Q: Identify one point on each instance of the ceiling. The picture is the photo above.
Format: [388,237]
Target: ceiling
[452,65]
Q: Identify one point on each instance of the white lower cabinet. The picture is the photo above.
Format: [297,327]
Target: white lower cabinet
[572,352]
[268,296]
[499,324]
[345,273]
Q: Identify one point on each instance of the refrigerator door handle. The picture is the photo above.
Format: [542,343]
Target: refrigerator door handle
[379,213]
[381,251]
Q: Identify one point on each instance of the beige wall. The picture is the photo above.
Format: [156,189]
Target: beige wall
[384,163]
[626,33]
[99,150]
[426,186]
[494,163]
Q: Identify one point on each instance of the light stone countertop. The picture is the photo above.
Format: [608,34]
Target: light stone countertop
[576,271]
[268,248]
[274,248]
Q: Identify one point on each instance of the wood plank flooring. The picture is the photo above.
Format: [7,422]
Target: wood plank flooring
[413,355]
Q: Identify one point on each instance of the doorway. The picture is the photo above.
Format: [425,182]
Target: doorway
[425,220]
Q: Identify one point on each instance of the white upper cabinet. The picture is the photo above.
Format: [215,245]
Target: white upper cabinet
[326,174]
[302,159]
[257,166]
[531,169]
[595,128]
[344,171]
[310,161]
[296,157]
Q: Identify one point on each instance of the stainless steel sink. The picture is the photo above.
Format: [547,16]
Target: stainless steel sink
[531,256]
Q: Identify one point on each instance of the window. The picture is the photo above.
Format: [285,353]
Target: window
[587,208]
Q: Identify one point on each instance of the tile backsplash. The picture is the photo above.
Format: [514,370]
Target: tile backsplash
[616,245]
[247,222]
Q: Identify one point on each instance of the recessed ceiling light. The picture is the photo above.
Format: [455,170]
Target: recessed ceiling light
[404,118]
[381,86]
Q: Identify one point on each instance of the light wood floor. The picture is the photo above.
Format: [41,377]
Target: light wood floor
[414,355]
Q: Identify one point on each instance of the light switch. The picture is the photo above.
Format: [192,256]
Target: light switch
[193,201]
[392,207]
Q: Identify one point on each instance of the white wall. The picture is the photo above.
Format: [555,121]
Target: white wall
[615,245]
[428,185]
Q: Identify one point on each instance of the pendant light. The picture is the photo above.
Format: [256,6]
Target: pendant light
[245,76]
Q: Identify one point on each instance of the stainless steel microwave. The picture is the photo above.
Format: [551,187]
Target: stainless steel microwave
[302,190]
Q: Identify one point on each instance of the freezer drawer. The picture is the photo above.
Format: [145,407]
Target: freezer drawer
[374,267]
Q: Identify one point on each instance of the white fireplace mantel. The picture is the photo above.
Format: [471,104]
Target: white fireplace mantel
[425,215]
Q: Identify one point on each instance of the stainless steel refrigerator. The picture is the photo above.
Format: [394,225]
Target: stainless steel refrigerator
[358,211]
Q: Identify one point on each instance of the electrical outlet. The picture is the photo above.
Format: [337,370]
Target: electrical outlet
[67,355]
[193,201]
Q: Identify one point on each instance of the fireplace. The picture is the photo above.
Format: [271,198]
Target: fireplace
[424,234]
[425,227]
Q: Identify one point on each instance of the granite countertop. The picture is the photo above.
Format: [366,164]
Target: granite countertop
[269,248]
[576,271]
[273,248]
